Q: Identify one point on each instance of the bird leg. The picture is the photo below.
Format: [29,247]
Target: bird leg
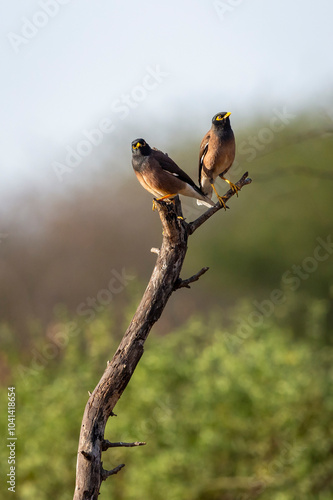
[163,198]
[166,196]
[231,184]
[220,198]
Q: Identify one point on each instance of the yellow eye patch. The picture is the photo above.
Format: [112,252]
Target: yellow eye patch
[220,117]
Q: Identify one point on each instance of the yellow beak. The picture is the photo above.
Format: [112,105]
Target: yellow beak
[226,115]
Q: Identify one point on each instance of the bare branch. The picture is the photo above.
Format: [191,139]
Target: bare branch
[120,369]
[193,226]
[186,283]
[163,282]
[107,473]
[107,444]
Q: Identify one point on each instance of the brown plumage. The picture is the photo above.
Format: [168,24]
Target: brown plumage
[161,176]
[217,153]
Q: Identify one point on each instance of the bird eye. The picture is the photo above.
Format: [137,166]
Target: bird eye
[219,117]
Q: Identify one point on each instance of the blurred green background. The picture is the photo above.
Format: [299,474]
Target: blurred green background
[234,392]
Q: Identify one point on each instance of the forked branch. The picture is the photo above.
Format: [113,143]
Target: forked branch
[193,226]
[186,283]
[164,280]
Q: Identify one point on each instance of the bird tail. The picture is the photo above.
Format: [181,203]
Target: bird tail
[208,203]
[204,200]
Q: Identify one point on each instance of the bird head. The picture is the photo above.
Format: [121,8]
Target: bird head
[139,146]
[221,119]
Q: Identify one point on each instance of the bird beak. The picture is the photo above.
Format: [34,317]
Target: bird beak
[226,115]
[137,145]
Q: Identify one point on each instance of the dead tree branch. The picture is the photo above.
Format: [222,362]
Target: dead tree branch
[164,280]
[193,226]
[106,444]
[107,473]
[186,283]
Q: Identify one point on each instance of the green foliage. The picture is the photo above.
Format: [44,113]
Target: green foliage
[272,225]
[224,416]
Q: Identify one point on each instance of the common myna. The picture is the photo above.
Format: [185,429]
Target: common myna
[161,176]
[217,153]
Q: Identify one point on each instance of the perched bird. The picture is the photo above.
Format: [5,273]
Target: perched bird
[161,176]
[217,153]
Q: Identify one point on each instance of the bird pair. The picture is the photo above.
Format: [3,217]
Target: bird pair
[162,177]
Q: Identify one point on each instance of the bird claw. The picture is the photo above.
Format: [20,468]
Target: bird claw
[222,202]
[233,187]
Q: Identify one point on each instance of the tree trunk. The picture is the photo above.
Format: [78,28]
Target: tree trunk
[164,280]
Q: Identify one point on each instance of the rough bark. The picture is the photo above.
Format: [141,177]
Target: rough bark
[164,280]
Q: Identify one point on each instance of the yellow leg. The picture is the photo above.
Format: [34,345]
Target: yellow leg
[220,198]
[163,198]
[166,196]
[232,185]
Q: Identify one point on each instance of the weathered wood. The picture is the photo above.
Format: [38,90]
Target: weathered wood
[164,280]
[186,283]
[106,444]
[193,226]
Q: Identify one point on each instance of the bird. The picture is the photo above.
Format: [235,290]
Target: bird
[161,176]
[217,153]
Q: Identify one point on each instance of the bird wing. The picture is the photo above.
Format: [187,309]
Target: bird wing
[168,165]
[202,153]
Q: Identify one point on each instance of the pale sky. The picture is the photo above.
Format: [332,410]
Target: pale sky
[135,68]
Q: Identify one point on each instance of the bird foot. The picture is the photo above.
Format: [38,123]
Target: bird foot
[233,186]
[220,198]
[166,197]
[222,202]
